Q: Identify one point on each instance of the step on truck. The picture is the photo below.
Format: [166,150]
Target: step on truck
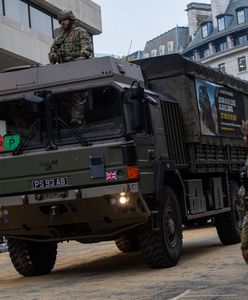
[101,149]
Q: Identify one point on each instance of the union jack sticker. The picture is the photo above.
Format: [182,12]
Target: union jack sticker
[111,175]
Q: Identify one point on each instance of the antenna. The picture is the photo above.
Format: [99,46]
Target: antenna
[129,50]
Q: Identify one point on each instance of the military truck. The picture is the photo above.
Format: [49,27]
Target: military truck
[102,149]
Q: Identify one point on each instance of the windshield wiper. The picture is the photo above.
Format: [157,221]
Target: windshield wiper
[75,132]
[33,129]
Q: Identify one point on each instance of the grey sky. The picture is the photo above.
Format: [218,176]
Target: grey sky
[137,21]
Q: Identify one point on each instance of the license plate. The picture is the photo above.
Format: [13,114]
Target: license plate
[50,183]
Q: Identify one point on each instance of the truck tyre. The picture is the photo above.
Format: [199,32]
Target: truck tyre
[127,244]
[228,225]
[32,258]
[161,247]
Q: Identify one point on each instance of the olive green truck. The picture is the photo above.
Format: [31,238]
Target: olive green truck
[102,149]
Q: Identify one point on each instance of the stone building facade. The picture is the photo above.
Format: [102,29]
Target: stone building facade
[221,40]
[172,41]
[197,13]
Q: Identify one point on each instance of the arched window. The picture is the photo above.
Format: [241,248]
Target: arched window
[162,50]
[154,53]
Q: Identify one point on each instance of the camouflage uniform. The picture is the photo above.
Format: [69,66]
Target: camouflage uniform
[68,46]
[71,44]
[244,232]
[75,104]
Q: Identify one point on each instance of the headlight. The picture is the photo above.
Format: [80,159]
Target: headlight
[123,199]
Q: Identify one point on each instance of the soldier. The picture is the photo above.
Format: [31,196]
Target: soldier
[244,232]
[71,43]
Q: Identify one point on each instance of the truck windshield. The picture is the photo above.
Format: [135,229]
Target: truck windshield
[20,121]
[93,113]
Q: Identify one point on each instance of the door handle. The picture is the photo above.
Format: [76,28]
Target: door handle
[151,154]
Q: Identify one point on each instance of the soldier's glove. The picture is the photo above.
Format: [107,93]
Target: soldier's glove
[241,201]
[53,58]
[85,55]
[244,178]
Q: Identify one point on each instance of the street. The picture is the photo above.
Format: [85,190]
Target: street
[207,270]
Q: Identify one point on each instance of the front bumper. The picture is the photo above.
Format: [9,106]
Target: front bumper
[87,215]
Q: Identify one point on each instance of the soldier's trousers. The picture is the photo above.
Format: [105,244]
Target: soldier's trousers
[244,238]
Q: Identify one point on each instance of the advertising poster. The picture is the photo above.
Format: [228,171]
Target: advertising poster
[221,109]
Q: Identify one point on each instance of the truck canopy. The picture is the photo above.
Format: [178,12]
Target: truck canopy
[212,104]
[175,65]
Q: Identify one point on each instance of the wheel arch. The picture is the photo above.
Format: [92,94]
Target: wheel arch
[167,175]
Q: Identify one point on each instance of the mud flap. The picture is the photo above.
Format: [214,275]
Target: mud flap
[155,221]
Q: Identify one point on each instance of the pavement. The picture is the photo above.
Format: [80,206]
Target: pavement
[3,246]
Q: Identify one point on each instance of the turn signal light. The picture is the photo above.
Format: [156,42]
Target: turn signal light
[133,172]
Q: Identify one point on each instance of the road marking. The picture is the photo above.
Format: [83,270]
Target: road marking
[186,295]
[207,296]
[181,295]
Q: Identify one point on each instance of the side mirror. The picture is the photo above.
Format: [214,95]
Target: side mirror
[135,114]
[136,92]
[135,105]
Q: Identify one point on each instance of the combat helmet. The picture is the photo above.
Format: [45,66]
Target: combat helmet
[244,128]
[66,14]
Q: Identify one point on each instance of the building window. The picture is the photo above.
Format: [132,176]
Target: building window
[17,11]
[207,29]
[241,39]
[145,55]
[222,67]
[221,46]
[221,24]
[224,21]
[204,30]
[170,45]
[162,50]
[241,15]
[204,52]
[242,63]
[29,16]
[153,53]
[41,22]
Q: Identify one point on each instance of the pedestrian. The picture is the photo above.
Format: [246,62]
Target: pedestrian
[244,232]
[72,42]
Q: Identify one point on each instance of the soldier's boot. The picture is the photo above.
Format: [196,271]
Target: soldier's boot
[245,255]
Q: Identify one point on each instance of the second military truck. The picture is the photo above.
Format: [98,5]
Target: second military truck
[102,149]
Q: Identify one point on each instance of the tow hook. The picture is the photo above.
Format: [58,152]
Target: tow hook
[58,210]
[54,211]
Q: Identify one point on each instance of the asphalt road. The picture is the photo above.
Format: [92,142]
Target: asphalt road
[207,270]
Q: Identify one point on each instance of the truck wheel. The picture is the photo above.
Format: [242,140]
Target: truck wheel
[229,224]
[127,244]
[162,247]
[32,258]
